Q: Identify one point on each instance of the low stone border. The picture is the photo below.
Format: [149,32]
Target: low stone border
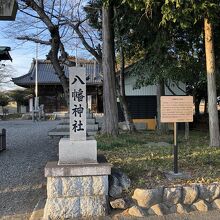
[178,199]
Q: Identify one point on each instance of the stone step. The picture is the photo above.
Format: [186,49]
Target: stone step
[58,132]
[88,121]
[63,132]
[89,118]
[94,127]
[89,115]
[90,127]
[63,125]
[91,133]
[65,120]
[67,114]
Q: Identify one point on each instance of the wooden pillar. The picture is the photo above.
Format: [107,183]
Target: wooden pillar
[56,99]
[96,99]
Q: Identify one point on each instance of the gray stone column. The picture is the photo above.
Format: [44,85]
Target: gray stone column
[76,191]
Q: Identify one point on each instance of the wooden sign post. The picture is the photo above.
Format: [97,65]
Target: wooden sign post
[176,109]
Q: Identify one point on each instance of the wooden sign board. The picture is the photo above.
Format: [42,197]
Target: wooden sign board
[176,109]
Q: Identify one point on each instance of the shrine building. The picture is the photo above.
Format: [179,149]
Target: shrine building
[50,90]
[142,102]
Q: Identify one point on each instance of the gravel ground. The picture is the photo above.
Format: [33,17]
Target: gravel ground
[22,181]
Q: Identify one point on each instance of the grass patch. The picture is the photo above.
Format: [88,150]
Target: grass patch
[146,165]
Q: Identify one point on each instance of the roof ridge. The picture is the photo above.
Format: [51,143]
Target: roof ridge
[47,74]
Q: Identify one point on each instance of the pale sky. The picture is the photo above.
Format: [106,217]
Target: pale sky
[23,53]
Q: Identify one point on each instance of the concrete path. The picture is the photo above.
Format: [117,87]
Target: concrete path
[22,182]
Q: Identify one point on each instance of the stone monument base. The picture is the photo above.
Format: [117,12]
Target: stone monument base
[76,191]
[77,152]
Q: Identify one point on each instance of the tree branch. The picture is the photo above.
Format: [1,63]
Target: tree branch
[89,36]
[55,44]
[27,38]
[85,43]
[180,88]
[33,16]
[168,87]
[64,54]
[41,13]
[41,4]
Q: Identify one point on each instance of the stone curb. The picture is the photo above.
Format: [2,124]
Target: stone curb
[178,199]
[38,211]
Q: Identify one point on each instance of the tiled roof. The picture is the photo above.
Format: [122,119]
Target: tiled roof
[48,76]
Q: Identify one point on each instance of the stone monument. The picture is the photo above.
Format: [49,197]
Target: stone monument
[77,184]
[77,149]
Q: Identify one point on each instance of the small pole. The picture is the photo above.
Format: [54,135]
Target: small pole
[175,150]
[76,54]
[36,102]
[3,139]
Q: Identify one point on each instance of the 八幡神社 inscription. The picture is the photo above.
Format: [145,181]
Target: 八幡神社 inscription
[77,84]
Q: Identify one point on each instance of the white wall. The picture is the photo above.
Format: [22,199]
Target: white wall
[150,90]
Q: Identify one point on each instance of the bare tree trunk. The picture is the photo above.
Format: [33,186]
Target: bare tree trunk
[120,84]
[212,97]
[55,45]
[162,128]
[108,65]
[122,97]
[53,55]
